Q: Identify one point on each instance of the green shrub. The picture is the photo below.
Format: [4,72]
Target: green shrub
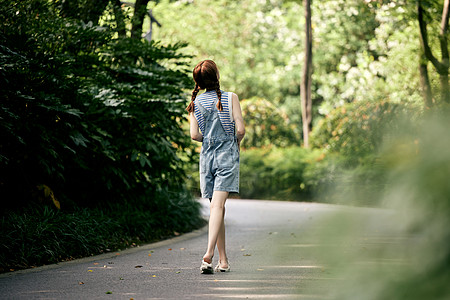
[412,262]
[277,173]
[42,235]
[95,118]
[357,130]
[266,125]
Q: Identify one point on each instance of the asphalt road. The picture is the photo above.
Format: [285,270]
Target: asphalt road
[276,251]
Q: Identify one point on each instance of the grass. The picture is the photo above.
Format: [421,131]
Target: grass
[40,235]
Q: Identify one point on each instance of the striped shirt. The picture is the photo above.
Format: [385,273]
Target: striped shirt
[207,101]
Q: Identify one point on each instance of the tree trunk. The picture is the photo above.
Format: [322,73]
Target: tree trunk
[444,50]
[442,67]
[305,86]
[140,10]
[427,94]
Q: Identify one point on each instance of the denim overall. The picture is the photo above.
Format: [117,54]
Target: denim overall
[219,157]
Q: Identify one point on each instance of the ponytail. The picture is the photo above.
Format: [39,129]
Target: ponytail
[219,95]
[191,105]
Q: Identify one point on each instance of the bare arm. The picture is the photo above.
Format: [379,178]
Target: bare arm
[238,119]
[194,129]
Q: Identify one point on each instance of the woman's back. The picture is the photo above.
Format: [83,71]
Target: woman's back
[208,100]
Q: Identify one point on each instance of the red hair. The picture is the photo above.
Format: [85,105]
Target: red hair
[206,76]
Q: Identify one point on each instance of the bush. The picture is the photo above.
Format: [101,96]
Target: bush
[357,130]
[266,125]
[95,118]
[277,173]
[42,235]
[412,262]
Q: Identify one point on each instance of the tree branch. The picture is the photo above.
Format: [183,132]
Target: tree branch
[440,68]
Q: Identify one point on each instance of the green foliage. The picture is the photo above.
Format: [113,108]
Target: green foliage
[357,130]
[277,173]
[266,124]
[413,263]
[41,235]
[96,119]
[254,43]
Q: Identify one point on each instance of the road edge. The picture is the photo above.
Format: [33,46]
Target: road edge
[112,254]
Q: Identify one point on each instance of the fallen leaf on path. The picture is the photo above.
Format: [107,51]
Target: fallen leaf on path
[108,292]
[120,278]
[138,266]
[178,272]
[90,271]
[247,254]
[95,263]
[117,253]
[81,282]
[153,275]
[170,249]
[149,254]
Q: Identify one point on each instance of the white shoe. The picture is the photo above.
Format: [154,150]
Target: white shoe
[206,268]
[219,269]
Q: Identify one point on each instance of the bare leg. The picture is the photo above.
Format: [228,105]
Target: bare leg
[215,225]
[223,259]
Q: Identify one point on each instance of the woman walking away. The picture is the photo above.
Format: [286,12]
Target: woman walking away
[216,121]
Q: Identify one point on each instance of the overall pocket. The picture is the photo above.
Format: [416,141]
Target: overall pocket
[225,158]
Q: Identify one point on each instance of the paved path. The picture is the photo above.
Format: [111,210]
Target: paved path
[273,251]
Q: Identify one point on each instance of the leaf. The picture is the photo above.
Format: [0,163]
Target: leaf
[138,266]
[108,292]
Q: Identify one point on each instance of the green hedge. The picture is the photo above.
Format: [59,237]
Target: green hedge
[95,118]
[359,129]
[41,235]
[277,173]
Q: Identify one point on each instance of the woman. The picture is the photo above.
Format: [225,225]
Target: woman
[216,121]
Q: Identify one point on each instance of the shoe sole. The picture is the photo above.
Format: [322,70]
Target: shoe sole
[223,270]
[207,271]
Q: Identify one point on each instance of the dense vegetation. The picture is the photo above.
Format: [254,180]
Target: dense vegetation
[88,120]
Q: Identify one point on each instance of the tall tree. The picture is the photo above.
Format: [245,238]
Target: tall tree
[442,67]
[140,11]
[305,86]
